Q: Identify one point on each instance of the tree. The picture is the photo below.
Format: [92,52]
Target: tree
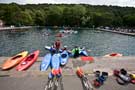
[78,11]
[129,20]
[54,15]
[40,18]
[10,13]
[23,18]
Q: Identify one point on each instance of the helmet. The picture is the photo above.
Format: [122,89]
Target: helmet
[65,46]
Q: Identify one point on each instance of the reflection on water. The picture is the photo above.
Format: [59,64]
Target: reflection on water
[101,43]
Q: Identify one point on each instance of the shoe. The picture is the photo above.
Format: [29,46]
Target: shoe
[96,83]
[133,81]
[105,75]
[123,71]
[116,73]
[101,79]
[120,81]
[125,78]
[97,73]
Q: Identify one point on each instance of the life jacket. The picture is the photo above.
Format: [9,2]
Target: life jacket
[75,51]
[57,44]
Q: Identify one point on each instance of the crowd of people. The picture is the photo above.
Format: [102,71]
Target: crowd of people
[56,48]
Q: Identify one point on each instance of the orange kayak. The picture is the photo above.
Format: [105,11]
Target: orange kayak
[13,61]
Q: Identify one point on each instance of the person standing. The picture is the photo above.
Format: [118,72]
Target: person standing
[57,45]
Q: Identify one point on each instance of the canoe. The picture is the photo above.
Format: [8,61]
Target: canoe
[83,53]
[64,57]
[45,62]
[13,61]
[87,58]
[49,48]
[55,62]
[28,61]
[113,55]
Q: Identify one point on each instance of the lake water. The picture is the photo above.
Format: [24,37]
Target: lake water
[100,42]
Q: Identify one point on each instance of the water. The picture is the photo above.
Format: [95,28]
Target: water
[100,42]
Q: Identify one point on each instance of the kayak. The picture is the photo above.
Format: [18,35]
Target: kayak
[64,57]
[49,48]
[83,53]
[87,58]
[28,61]
[113,55]
[45,62]
[55,62]
[13,61]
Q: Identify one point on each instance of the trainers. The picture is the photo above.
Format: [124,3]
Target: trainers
[123,71]
[96,83]
[125,78]
[105,75]
[97,73]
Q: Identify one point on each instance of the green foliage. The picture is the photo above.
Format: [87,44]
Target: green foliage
[54,15]
[39,18]
[129,20]
[80,15]
[23,18]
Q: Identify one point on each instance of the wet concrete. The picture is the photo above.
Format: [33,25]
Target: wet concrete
[69,83]
[34,79]
[100,63]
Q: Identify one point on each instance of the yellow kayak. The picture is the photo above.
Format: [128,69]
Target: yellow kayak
[133,76]
[13,61]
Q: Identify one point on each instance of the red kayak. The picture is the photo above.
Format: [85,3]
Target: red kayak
[87,58]
[113,55]
[28,61]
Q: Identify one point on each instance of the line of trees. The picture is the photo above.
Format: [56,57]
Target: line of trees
[74,15]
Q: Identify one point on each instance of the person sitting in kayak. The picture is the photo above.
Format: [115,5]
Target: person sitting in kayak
[75,52]
[83,51]
[65,49]
[57,45]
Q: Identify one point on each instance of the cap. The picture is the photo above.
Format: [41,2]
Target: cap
[65,46]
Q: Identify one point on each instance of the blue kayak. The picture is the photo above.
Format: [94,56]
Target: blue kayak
[45,62]
[49,48]
[83,53]
[55,62]
[64,57]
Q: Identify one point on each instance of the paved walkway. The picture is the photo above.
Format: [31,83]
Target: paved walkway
[33,79]
[69,83]
[119,32]
[100,63]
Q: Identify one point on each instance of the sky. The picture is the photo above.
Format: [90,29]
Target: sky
[130,3]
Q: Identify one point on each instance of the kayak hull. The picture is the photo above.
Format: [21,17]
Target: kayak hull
[113,55]
[45,62]
[55,62]
[13,61]
[64,58]
[28,61]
